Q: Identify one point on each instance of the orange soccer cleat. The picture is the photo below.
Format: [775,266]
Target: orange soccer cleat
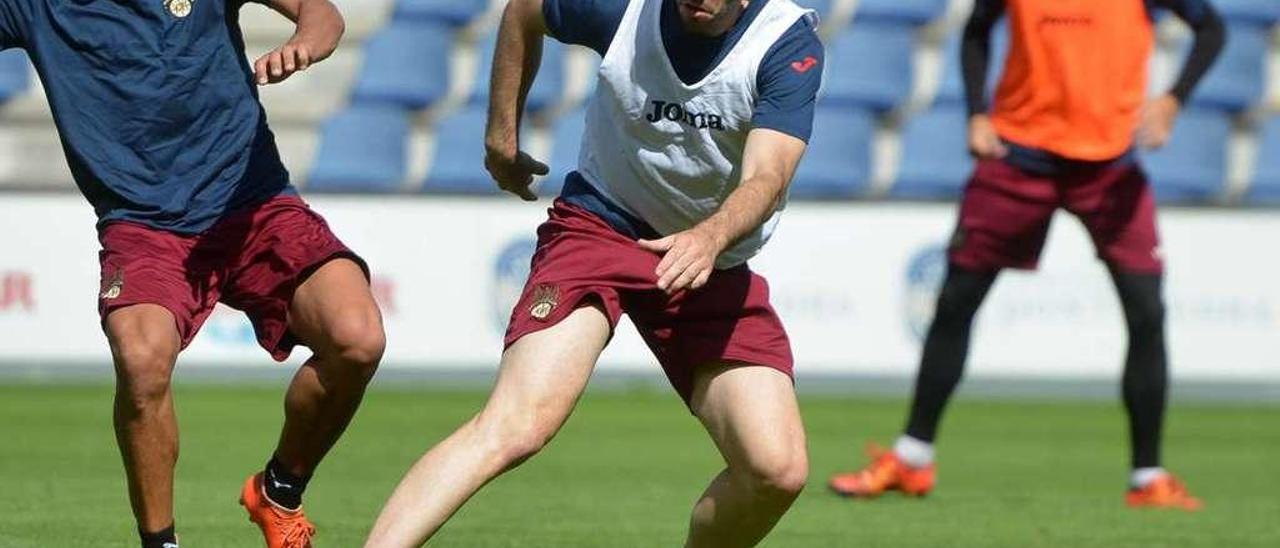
[282,528]
[1163,492]
[886,472]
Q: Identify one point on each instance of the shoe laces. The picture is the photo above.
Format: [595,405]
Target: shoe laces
[297,530]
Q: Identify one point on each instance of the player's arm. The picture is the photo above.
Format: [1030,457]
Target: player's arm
[319,27]
[975,59]
[788,82]
[1210,34]
[515,64]
[689,257]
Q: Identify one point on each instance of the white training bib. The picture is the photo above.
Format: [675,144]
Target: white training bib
[667,152]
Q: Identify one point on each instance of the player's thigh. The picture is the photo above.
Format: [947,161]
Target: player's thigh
[752,415]
[1118,208]
[544,372]
[334,309]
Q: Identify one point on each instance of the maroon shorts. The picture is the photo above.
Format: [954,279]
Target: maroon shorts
[580,258]
[251,260]
[1005,216]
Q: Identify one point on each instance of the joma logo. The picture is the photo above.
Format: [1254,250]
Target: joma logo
[674,112]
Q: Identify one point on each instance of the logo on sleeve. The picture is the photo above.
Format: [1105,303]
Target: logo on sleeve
[804,65]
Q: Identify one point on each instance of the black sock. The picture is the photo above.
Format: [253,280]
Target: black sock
[165,538]
[1146,375]
[283,487]
[946,347]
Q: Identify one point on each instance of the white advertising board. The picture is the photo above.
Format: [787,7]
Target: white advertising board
[853,283]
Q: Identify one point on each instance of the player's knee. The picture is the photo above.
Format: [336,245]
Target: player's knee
[781,475]
[1145,316]
[143,368]
[359,342]
[513,440]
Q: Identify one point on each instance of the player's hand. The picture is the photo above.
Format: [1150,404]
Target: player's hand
[984,142]
[514,173]
[1158,116]
[280,63]
[688,258]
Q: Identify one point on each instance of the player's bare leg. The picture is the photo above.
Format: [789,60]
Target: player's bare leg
[539,382]
[335,315]
[752,415]
[144,346]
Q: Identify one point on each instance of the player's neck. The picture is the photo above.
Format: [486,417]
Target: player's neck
[733,11]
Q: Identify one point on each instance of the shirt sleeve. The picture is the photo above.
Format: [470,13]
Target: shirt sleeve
[975,52]
[788,81]
[1210,36]
[590,23]
[15,18]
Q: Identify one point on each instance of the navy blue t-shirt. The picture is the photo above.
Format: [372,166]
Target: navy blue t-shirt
[158,114]
[786,92]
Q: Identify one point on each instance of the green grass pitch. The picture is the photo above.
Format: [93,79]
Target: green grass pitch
[627,467]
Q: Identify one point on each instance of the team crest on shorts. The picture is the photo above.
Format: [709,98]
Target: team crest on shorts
[114,286]
[179,8]
[545,299]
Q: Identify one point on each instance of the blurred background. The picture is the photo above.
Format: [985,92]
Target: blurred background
[385,140]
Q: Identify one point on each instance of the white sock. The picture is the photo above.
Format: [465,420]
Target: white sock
[1142,477]
[916,453]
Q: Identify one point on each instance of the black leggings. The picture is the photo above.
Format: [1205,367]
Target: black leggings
[1145,380]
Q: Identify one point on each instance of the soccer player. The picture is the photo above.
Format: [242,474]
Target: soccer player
[158,112]
[700,117]
[1060,134]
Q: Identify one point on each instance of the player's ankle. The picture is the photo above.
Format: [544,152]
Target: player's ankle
[1142,477]
[283,487]
[914,452]
[164,538]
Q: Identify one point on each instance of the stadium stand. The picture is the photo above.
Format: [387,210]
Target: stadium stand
[566,137]
[874,60]
[935,157]
[888,122]
[362,149]
[15,73]
[838,161]
[547,89]
[1237,80]
[458,162]
[1261,12]
[1191,168]
[912,12]
[402,66]
[1265,189]
[455,13]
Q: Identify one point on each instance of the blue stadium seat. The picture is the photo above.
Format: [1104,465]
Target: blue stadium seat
[935,156]
[907,11]
[457,167]
[451,12]
[1193,165]
[1266,178]
[1266,12]
[362,148]
[567,135]
[823,7]
[407,64]
[871,66]
[1237,80]
[548,87]
[838,161]
[951,88]
[15,73]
